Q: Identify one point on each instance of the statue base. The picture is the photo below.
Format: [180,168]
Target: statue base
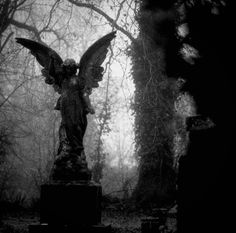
[70,207]
[69,167]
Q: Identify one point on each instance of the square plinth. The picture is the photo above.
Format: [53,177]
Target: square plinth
[76,204]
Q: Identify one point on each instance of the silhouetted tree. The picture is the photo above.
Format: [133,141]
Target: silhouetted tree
[155,94]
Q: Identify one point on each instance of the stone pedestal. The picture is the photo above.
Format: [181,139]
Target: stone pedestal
[71,204]
[70,207]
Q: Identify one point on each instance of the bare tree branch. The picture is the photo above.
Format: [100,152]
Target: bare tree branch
[15,89]
[20,3]
[119,11]
[54,6]
[5,42]
[58,36]
[106,16]
[27,27]
[7,11]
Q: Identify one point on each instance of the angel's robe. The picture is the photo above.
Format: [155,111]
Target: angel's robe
[73,112]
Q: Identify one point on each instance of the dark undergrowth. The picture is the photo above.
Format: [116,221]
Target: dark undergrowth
[121,215]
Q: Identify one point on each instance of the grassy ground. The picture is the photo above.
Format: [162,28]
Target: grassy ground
[121,221]
[17,222]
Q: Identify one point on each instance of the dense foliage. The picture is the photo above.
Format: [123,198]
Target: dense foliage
[155,95]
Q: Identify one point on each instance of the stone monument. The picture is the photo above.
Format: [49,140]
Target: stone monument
[71,202]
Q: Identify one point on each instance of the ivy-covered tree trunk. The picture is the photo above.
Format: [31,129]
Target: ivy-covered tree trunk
[154,105]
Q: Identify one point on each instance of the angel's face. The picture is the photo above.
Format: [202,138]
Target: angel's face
[70,66]
[70,70]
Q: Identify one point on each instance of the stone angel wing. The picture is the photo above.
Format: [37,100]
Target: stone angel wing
[45,56]
[90,70]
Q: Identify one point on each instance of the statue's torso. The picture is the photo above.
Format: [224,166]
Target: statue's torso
[72,105]
[70,84]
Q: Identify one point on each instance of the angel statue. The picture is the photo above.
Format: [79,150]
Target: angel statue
[74,103]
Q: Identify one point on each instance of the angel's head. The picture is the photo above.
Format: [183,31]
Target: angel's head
[70,66]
